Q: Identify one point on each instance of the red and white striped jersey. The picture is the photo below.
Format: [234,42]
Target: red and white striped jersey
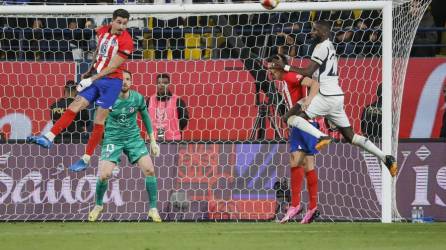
[293,91]
[110,45]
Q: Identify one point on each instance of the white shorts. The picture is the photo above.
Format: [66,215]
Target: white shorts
[330,107]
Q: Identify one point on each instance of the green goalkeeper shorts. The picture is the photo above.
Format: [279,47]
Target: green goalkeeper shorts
[134,148]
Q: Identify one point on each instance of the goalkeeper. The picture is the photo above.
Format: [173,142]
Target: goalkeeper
[122,134]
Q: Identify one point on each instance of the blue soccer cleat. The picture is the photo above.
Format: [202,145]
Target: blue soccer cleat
[78,166]
[40,140]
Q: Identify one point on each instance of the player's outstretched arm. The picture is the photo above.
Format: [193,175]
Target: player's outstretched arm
[308,71]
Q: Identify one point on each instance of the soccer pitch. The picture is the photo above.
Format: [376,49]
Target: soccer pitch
[229,236]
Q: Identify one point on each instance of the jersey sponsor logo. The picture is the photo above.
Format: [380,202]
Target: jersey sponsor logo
[425,117]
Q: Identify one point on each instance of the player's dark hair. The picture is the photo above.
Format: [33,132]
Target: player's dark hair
[121,13]
[278,57]
[163,75]
[324,23]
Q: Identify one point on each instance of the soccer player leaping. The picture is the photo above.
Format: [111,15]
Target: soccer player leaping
[122,134]
[114,46]
[330,100]
[302,145]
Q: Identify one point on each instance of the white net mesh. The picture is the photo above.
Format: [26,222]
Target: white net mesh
[233,157]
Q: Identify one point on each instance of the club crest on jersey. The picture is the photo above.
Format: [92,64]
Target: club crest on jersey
[131,110]
[103,49]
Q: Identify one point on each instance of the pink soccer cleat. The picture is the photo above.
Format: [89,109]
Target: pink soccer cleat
[291,213]
[310,216]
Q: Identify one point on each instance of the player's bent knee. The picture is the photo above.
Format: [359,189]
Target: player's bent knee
[349,139]
[78,104]
[105,176]
[149,172]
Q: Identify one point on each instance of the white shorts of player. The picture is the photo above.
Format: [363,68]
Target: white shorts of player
[330,107]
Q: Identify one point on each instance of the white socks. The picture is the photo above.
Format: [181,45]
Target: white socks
[367,145]
[86,158]
[358,140]
[50,136]
[304,125]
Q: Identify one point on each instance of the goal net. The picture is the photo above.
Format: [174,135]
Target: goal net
[232,161]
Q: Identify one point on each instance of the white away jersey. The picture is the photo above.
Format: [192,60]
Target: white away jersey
[324,54]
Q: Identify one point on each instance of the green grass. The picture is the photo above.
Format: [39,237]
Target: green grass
[228,236]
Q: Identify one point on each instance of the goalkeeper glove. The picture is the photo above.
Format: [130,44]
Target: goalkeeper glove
[154,149]
[85,83]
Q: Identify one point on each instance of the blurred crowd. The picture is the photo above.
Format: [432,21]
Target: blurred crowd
[355,34]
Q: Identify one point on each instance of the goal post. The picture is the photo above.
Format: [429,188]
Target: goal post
[398,31]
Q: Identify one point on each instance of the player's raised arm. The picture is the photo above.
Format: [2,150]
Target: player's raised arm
[308,71]
[319,33]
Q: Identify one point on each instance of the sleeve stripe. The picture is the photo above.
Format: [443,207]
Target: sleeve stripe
[315,57]
[316,60]
[123,52]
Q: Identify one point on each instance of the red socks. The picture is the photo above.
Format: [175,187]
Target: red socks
[297,176]
[64,121]
[312,187]
[95,138]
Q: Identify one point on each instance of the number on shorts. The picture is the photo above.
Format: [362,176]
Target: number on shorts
[110,147]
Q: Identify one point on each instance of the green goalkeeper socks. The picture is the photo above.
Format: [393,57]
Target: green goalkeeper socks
[152,190]
[101,188]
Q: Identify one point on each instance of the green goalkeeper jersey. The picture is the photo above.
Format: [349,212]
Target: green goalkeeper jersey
[122,120]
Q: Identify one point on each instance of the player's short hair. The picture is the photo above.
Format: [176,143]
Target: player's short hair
[279,57]
[121,13]
[162,75]
[324,23]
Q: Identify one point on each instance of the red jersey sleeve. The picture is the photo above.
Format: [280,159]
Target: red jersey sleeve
[125,46]
[293,78]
